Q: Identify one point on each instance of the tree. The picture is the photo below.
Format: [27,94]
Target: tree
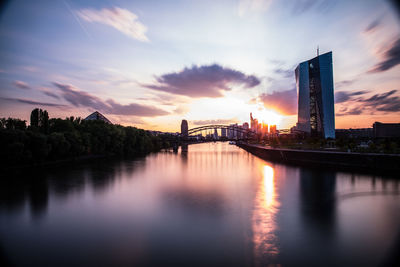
[15,124]
[44,121]
[35,119]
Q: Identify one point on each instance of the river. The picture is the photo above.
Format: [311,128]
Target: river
[212,204]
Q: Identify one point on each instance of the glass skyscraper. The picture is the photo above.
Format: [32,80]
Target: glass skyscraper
[314,83]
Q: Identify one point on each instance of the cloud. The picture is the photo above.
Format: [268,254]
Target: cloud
[287,73]
[219,121]
[32,102]
[354,111]
[121,19]
[344,83]
[391,58]
[48,92]
[22,85]
[343,96]
[282,101]
[302,6]
[385,102]
[80,98]
[373,25]
[203,81]
[247,6]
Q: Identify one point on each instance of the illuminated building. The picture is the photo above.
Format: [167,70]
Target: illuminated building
[314,82]
[272,129]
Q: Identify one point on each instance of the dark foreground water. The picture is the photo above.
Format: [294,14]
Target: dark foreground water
[213,205]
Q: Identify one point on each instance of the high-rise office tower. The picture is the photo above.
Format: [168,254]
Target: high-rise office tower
[184,128]
[314,82]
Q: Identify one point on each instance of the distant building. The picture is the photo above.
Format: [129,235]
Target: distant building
[215,134]
[382,130]
[314,82]
[184,128]
[272,129]
[264,129]
[354,133]
[223,132]
[97,116]
[253,122]
[232,131]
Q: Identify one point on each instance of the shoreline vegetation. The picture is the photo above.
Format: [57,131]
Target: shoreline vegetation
[56,141]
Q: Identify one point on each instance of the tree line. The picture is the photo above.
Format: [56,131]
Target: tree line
[46,140]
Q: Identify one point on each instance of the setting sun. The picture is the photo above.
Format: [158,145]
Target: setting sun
[267,116]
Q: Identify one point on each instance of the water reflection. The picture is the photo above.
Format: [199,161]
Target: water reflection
[14,193]
[318,195]
[264,219]
[208,205]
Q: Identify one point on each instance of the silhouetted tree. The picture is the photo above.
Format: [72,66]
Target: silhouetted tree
[44,121]
[35,119]
[53,139]
[15,124]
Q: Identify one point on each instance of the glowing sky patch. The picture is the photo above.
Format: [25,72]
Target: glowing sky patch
[153,63]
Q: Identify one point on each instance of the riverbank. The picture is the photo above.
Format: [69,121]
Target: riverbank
[361,162]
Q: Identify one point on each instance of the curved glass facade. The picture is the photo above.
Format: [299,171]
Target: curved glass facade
[314,82]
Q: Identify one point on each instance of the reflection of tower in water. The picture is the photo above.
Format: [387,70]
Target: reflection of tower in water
[317,191]
[264,219]
[184,152]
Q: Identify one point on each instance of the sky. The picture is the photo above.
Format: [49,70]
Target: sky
[150,64]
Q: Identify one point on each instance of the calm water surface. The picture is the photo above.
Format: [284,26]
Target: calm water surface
[211,205]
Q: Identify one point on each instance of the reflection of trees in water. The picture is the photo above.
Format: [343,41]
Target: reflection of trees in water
[34,187]
[17,190]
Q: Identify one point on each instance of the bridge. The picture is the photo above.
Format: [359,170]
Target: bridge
[238,132]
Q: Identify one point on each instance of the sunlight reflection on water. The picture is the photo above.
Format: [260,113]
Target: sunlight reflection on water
[264,218]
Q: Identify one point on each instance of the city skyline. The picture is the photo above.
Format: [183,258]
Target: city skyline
[138,64]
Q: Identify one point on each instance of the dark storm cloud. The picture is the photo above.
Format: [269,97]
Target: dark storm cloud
[80,98]
[22,85]
[31,102]
[203,81]
[282,101]
[391,58]
[342,96]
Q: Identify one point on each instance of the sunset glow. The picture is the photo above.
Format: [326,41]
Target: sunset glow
[269,117]
[151,65]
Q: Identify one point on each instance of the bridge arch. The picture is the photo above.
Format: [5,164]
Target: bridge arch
[247,133]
